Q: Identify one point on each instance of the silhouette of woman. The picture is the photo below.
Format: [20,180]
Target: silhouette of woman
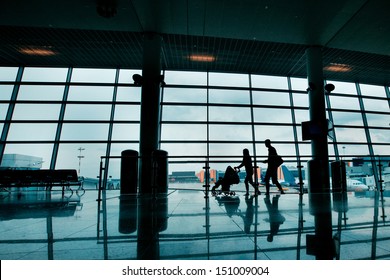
[247,163]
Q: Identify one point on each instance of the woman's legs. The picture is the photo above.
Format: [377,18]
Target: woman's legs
[249,180]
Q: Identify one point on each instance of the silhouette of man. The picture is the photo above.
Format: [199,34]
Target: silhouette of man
[247,163]
[272,168]
[275,218]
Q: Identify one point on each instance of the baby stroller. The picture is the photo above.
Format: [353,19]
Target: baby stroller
[231,177]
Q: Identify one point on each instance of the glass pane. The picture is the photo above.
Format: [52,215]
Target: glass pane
[32,155]
[275,133]
[32,132]
[352,150]
[183,132]
[274,82]
[6,92]
[238,114]
[301,116]
[190,156]
[87,75]
[126,75]
[305,150]
[272,115]
[88,93]
[301,100]
[37,74]
[127,132]
[378,120]
[129,94]
[68,158]
[232,80]
[87,112]
[84,131]
[231,150]
[184,149]
[117,148]
[36,112]
[41,92]
[376,105]
[231,132]
[340,102]
[342,87]
[8,74]
[370,90]
[127,113]
[347,118]
[381,149]
[271,98]
[299,84]
[184,113]
[3,111]
[185,95]
[380,136]
[185,78]
[350,135]
[229,96]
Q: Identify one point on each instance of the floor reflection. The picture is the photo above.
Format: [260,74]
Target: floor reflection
[188,224]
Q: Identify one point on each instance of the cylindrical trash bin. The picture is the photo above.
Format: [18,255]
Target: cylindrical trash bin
[129,172]
[339,176]
[316,177]
[160,171]
[127,214]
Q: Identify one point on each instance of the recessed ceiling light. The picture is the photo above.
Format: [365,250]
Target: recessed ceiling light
[338,67]
[202,58]
[39,51]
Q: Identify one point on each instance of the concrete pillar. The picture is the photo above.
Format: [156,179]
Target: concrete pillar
[321,244]
[319,146]
[150,107]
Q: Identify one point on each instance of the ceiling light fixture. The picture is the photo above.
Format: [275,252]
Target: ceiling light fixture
[202,58]
[338,67]
[39,51]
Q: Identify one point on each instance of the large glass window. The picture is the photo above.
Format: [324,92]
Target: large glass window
[204,115]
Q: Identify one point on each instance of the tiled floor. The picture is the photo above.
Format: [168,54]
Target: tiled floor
[185,225]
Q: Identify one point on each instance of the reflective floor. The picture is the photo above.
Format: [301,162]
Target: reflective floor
[187,224]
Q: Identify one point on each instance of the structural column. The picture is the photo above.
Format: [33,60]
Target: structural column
[150,107]
[319,173]
[321,244]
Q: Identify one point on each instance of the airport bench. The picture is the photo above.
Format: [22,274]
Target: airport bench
[10,178]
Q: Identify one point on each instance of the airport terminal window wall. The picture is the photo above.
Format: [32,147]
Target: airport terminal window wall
[72,117]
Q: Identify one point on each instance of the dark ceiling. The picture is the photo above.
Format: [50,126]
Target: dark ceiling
[246,36]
